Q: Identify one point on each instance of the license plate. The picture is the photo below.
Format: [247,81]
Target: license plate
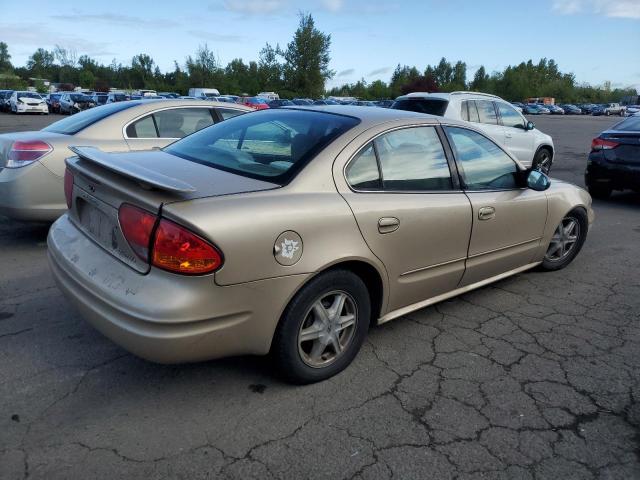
[97,224]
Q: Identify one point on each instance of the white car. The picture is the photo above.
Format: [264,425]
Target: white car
[28,102]
[491,114]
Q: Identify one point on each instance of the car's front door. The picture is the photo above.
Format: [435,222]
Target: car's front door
[519,140]
[411,212]
[508,221]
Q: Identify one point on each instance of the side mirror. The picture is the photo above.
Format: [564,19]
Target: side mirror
[538,181]
[530,126]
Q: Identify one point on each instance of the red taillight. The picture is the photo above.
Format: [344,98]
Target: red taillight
[25,152]
[137,226]
[602,144]
[178,250]
[68,187]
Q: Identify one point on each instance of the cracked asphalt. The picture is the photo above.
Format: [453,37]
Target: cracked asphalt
[535,377]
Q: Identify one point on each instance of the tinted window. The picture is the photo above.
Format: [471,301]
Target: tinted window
[81,120]
[143,128]
[180,122]
[271,144]
[227,113]
[482,164]
[432,106]
[487,112]
[464,111]
[362,172]
[473,111]
[509,115]
[630,124]
[413,159]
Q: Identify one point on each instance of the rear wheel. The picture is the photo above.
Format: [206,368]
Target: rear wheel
[601,192]
[542,161]
[567,241]
[322,328]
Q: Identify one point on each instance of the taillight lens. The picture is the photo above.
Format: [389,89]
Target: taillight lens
[137,226]
[68,187]
[178,250]
[25,152]
[602,144]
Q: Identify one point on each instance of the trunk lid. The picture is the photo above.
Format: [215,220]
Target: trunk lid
[628,150]
[149,180]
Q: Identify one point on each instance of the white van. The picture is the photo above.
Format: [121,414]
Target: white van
[206,93]
[269,95]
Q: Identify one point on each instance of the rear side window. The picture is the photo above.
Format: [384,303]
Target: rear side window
[171,123]
[75,123]
[431,106]
[482,164]
[487,112]
[469,111]
[362,172]
[413,159]
[227,113]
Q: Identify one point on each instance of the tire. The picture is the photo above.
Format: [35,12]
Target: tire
[557,260]
[308,361]
[601,192]
[543,160]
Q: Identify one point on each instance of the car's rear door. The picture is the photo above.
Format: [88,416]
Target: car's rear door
[410,211]
[508,221]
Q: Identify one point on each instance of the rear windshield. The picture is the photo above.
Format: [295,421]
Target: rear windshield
[432,106]
[268,145]
[79,121]
[631,124]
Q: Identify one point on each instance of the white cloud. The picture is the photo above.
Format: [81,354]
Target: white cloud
[216,37]
[116,19]
[345,73]
[609,8]
[255,7]
[333,5]
[379,71]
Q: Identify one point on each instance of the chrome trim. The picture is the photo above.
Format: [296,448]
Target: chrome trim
[445,296]
[476,255]
[421,269]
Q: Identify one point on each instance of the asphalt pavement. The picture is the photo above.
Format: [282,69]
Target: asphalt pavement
[534,377]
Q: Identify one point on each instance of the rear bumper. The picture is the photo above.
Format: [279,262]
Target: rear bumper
[617,176]
[31,193]
[163,317]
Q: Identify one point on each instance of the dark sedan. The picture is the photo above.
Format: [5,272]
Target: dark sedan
[571,109]
[280,103]
[614,161]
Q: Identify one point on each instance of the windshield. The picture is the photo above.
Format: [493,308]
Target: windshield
[78,97]
[29,95]
[269,145]
[432,106]
[72,125]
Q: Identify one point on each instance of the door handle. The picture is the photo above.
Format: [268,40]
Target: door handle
[508,135]
[388,224]
[486,213]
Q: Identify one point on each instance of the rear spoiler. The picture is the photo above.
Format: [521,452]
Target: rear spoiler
[129,169]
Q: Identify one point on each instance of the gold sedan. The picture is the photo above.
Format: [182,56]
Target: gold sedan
[292,231]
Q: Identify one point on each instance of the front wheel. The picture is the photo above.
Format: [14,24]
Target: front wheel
[542,161]
[322,328]
[567,241]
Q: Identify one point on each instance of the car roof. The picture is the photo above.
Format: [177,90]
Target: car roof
[368,115]
[447,96]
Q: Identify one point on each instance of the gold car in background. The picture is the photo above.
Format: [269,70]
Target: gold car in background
[292,231]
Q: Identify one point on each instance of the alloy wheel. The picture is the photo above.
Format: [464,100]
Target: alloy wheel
[328,329]
[544,162]
[564,239]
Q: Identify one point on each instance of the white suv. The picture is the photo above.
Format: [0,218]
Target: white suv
[491,114]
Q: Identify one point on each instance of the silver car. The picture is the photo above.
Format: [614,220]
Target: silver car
[32,163]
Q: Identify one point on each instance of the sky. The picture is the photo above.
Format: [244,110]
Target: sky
[597,40]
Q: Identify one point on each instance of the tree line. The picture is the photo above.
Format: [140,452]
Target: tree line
[300,69]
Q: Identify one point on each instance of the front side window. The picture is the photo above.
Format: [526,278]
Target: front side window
[487,112]
[482,164]
[509,115]
[413,159]
[362,172]
[271,145]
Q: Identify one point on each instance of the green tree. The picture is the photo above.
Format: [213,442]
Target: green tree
[41,62]
[480,81]
[307,58]
[270,70]
[5,58]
